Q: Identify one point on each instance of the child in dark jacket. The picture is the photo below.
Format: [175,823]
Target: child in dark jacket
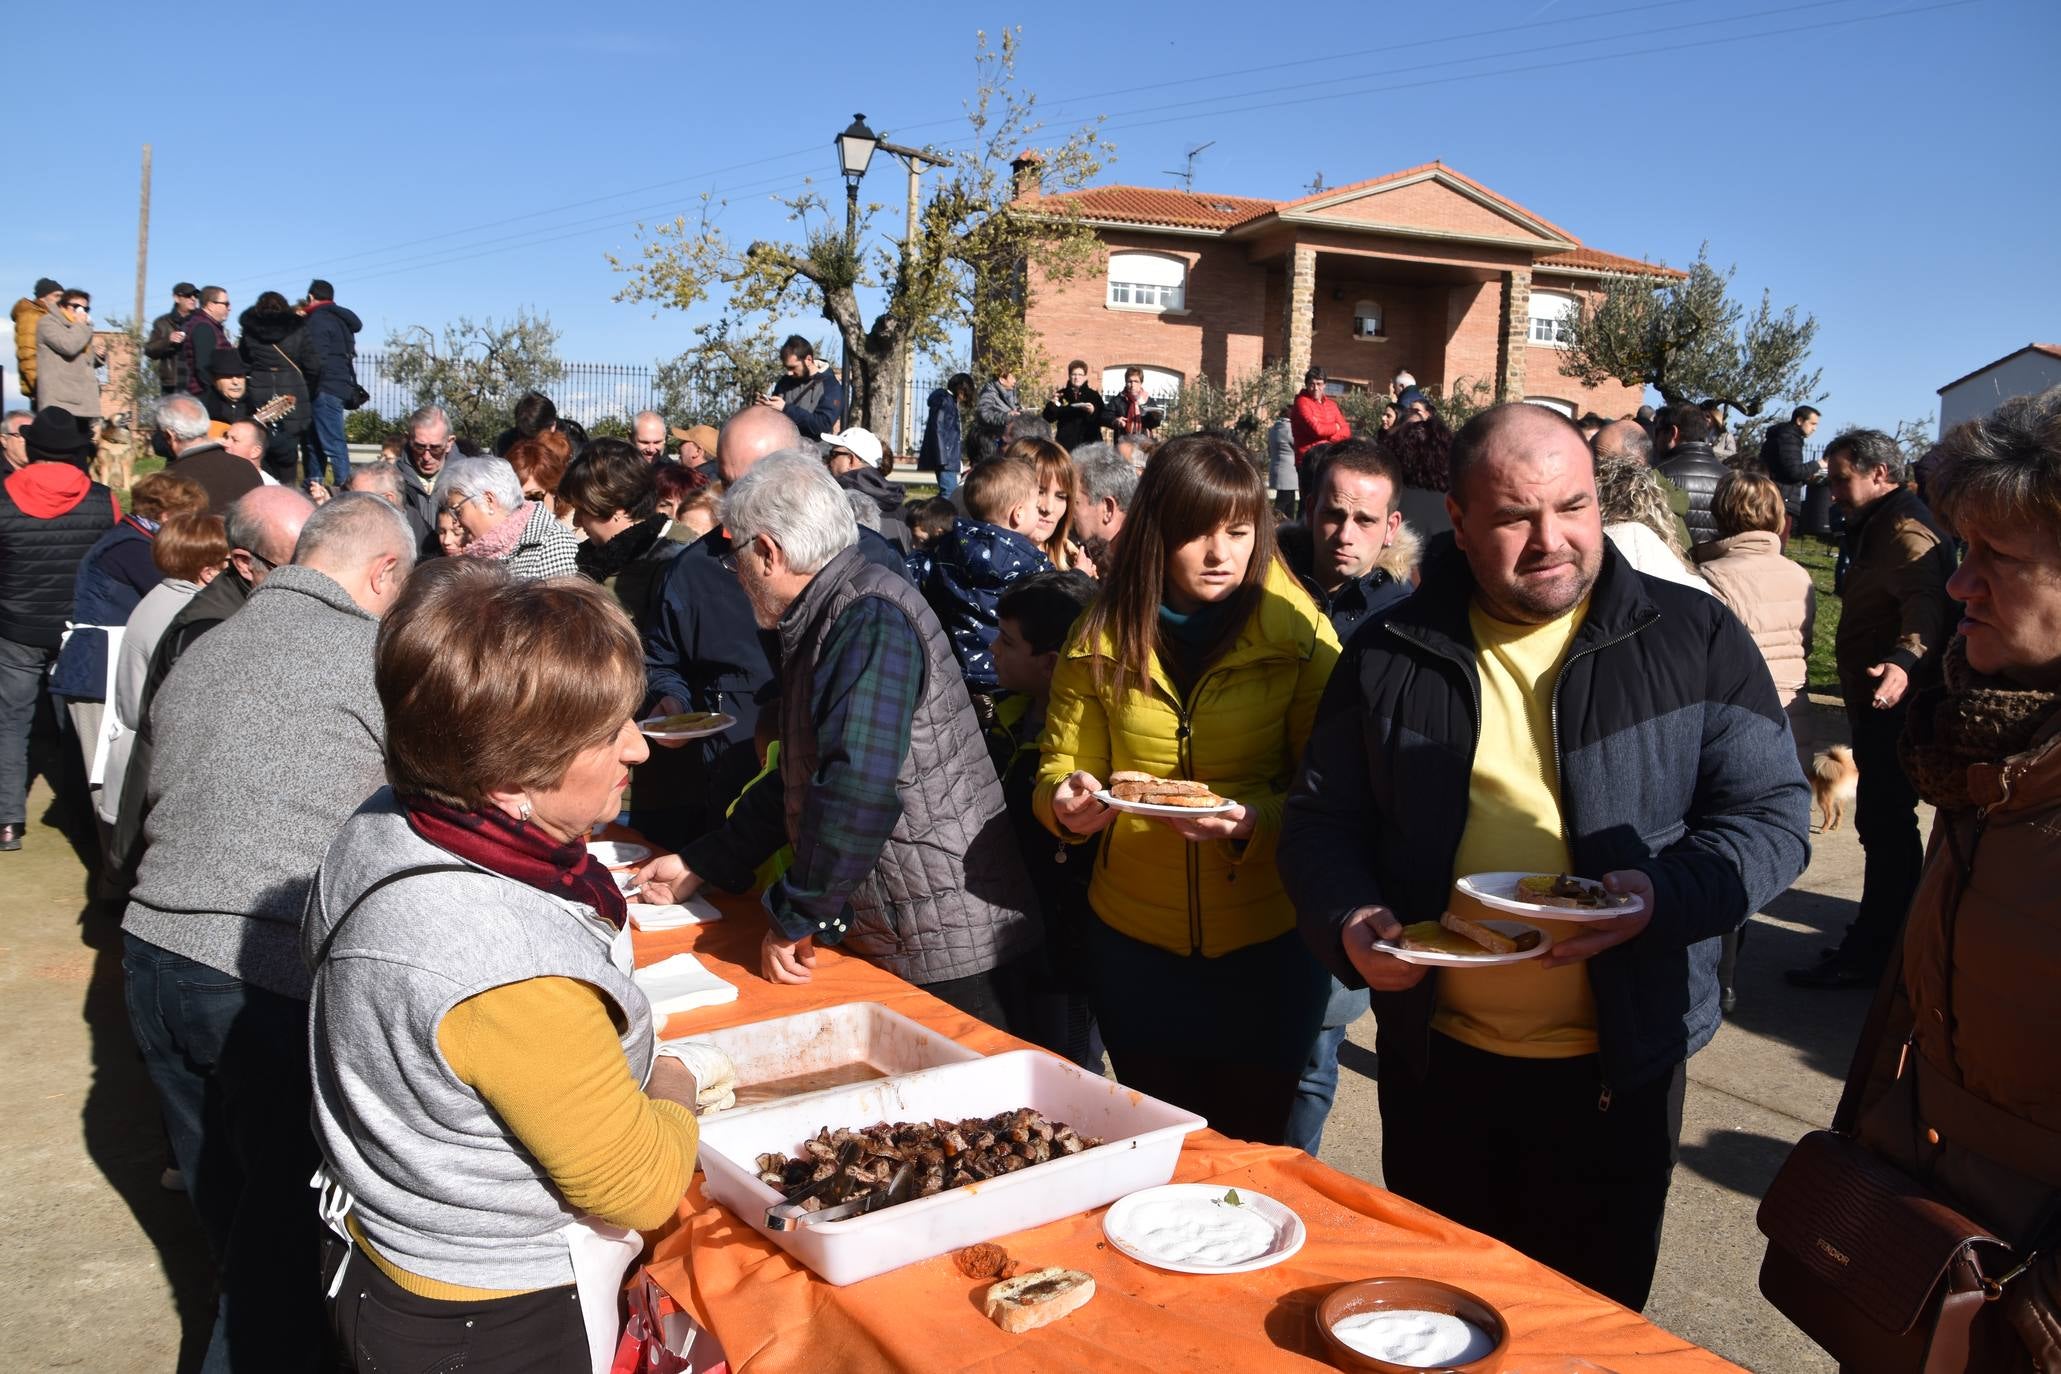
[929,519]
[1033,619]
[981,557]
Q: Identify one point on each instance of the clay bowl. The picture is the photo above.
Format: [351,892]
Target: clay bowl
[1421,1295]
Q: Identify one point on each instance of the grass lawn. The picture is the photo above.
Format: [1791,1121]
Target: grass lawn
[1817,556]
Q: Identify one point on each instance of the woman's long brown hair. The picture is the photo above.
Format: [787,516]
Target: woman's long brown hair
[1192,485]
[1055,468]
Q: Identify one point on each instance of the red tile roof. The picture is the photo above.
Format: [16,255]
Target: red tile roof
[1161,207]
[1153,205]
[1596,260]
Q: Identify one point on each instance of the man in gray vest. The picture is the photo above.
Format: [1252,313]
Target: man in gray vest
[903,854]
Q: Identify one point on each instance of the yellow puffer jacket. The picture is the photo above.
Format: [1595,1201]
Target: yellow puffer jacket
[26,313]
[1242,731]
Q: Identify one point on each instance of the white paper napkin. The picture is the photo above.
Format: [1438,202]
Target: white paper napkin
[695,911]
[681,984]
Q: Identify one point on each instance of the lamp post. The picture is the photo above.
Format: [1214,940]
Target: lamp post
[854,151]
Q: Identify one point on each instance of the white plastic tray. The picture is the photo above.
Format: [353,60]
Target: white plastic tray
[829,1038]
[1143,1140]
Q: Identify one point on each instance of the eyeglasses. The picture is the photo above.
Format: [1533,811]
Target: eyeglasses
[429,450]
[254,556]
[728,562]
[453,510]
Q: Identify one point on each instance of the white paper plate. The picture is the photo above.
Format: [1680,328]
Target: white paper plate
[1499,891]
[1155,809]
[1126,1221]
[716,725]
[618,853]
[1435,959]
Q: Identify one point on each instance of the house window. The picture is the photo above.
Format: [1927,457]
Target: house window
[1552,403]
[1160,384]
[1367,321]
[1147,281]
[1551,315]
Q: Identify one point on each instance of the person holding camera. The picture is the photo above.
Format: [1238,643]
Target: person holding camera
[1075,410]
[66,356]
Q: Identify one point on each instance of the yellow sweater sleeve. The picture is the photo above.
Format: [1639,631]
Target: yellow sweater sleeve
[545,1055]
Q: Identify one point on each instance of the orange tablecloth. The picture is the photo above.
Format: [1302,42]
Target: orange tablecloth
[772,1315]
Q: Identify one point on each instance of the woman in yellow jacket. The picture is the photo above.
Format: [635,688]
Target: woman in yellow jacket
[1202,659]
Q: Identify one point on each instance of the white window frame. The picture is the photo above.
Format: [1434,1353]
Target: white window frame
[1550,330]
[1361,310]
[1161,383]
[1138,280]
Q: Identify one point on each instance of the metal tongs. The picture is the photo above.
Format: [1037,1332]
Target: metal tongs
[791,1215]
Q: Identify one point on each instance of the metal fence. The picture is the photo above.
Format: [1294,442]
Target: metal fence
[585,392]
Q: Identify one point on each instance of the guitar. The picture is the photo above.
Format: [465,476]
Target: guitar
[278,408]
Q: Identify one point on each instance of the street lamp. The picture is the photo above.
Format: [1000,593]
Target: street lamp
[854,151]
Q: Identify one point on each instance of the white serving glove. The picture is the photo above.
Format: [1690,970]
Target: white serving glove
[715,1077]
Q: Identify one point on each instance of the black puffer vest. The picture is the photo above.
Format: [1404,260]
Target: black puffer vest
[948,897]
[39,564]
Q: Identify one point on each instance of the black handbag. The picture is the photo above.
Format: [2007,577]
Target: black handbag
[358,397]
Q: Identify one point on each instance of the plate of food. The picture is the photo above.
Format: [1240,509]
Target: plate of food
[1456,942]
[1203,1228]
[686,725]
[1144,795]
[1561,896]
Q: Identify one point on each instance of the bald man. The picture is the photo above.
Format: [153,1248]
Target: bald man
[1564,713]
[752,434]
[1629,439]
[648,433]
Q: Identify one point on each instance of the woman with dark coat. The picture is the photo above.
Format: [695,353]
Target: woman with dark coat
[943,450]
[116,574]
[273,348]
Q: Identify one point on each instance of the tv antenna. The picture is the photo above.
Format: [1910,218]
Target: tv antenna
[1316,187]
[1188,177]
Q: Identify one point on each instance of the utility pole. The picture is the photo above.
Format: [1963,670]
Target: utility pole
[915,159]
[142,238]
[1188,176]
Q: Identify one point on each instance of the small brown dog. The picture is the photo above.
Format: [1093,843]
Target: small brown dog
[1835,778]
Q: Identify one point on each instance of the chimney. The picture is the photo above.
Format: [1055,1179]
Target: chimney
[1026,175]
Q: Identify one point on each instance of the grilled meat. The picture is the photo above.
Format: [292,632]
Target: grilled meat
[842,1165]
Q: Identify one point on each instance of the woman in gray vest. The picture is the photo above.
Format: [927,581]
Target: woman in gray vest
[494,1125]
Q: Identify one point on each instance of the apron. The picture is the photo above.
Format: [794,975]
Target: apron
[601,1252]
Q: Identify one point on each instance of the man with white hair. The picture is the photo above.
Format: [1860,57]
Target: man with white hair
[198,455]
[1108,482]
[268,736]
[429,444]
[648,433]
[902,854]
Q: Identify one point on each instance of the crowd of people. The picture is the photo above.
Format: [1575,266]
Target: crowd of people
[363,721]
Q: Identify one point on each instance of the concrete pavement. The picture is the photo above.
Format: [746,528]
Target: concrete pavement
[103,1270]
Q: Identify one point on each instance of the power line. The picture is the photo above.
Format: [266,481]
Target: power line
[460,253]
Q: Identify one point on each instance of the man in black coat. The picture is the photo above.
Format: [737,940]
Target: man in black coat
[51,514]
[1682,434]
[1076,410]
[1538,704]
[207,340]
[1782,454]
[167,340]
[330,347]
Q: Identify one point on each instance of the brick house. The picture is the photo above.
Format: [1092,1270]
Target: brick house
[1424,269]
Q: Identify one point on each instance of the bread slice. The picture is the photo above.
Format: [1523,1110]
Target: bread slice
[1130,775]
[1037,1298]
[1494,941]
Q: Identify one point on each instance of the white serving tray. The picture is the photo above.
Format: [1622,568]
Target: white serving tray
[828,1038]
[1143,1140]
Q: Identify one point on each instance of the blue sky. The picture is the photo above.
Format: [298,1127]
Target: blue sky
[1884,164]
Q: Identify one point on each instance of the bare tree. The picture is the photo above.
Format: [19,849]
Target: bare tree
[968,266]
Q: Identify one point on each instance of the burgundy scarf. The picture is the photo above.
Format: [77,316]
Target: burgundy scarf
[516,849]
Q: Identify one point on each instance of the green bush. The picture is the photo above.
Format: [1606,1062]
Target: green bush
[367,426]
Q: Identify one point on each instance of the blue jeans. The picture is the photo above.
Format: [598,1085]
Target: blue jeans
[230,1064]
[1316,1091]
[947,483]
[329,441]
[24,678]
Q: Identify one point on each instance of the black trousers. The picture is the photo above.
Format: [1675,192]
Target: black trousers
[1531,1151]
[382,1328]
[1886,821]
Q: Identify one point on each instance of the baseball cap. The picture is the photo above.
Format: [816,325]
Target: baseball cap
[860,443]
[185,288]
